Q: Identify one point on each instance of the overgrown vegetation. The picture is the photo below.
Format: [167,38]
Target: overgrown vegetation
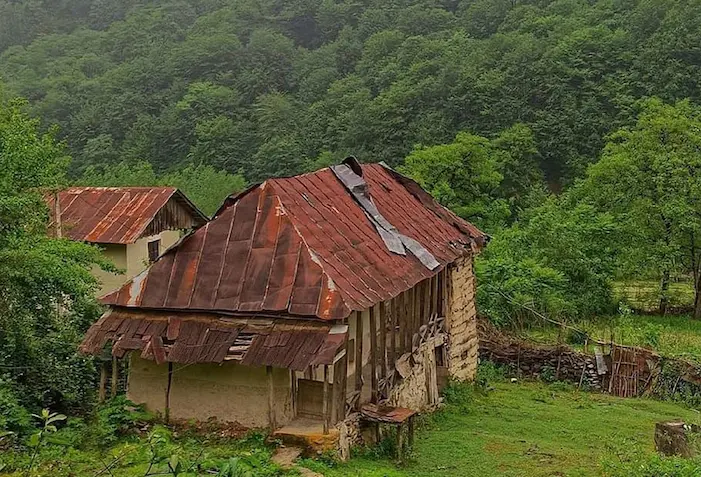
[121,439]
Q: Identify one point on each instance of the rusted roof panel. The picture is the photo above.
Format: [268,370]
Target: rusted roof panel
[209,338]
[304,246]
[115,214]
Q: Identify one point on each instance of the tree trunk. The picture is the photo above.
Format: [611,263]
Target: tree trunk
[697,300]
[664,289]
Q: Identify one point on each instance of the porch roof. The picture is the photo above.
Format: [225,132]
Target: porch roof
[189,338]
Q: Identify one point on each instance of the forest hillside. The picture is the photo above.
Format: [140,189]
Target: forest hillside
[272,87]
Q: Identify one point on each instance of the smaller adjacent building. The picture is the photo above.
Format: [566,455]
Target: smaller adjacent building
[132,225]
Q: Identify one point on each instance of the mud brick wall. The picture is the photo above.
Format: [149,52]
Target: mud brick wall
[461,322]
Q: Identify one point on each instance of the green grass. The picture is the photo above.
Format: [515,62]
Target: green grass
[526,429]
[645,294]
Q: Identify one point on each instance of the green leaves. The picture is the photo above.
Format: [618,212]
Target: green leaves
[479,179]
[649,178]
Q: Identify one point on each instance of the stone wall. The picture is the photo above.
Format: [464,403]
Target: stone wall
[527,359]
[461,322]
[418,389]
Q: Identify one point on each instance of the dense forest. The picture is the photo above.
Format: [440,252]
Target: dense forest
[274,87]
[569,130]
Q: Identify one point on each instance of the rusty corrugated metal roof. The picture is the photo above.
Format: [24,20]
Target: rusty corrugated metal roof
[114,214]
[206,338]
[302,246]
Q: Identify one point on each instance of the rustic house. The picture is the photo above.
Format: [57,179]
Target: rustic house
[305,296]
[132,225]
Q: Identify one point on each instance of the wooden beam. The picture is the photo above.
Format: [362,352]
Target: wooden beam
[401,321]
[358,351]
[411,294]
[383,340]
[344,380]
[416,322]
[325,404]
[443,309]
[427,289]
[115,376]
[271,399]
[293,391]
[102,392]
[435,295]
[393,334]
[373,351]
[168,387]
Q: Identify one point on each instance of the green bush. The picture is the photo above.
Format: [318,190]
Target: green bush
[116,418]
[13,417]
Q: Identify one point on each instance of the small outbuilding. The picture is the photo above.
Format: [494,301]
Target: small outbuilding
[132,225]
[304,298]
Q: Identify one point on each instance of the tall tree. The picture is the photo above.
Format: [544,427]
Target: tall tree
[650,177]
[46,288]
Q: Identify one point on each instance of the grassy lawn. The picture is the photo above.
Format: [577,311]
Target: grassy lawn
[668,335]
[645,294]
[526,429]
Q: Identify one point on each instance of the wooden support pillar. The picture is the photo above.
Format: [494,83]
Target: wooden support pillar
[168,386]
[393,333]
[411,432]
[435,296]
[443,310]
[401,322]
[411,293]
[344,380]
[400,443]
[373,352]
[426,307]
[102,393]
[383,340]
[358,351]
[271,399]
[293,391]
[416,316]
[115,376]
[325,403]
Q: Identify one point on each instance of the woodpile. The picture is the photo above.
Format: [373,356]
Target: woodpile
[559,363]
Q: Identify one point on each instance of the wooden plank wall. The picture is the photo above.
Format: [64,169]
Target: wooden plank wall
[395,327]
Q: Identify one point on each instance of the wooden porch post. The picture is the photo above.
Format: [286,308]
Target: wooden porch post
[325,403]
[102,393]
[359,351]
[115,375]
[373,352]
[271,399]
[170,383]
[401,321]
[392,337]
[383,340]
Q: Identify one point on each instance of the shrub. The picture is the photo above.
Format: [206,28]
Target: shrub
[116,418]
[13,417]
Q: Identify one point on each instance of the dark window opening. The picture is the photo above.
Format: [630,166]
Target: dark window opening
[154,250]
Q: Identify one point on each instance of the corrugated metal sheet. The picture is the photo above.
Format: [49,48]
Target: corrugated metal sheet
[205,338]
[122,214]
[303,246]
